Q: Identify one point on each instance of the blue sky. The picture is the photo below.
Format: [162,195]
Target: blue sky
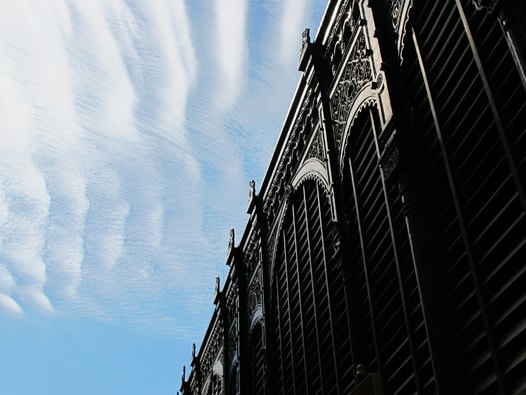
[129,131]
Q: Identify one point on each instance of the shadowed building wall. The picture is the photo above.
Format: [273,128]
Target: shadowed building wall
[384,251]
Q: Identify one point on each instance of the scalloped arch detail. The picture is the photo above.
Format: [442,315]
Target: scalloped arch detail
[312,170]
[257,318]
[367,101]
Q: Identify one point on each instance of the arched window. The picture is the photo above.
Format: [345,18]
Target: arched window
[311,334]
[391,324]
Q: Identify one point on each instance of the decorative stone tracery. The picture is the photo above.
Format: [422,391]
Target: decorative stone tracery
[211,351]
[294,149]
[316,149]
[255,293]
[356,74]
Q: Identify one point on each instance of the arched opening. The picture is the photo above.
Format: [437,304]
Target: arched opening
[311,341]
[382,276]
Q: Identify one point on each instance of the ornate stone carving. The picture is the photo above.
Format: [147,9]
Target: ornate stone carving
[316,149]
[211,350]
[251,192]
[395,7]
[307,116]
[218,286]
[254,293]
[399,10]
[348,17]
[305,43]
[356,74]
[231,241]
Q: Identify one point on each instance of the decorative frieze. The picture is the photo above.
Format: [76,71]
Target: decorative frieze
[232,311]
[211,350]
[293,150]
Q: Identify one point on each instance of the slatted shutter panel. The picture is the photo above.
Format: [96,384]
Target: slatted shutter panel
[215,386]
[391,318]
[311,335]
[474,171]
[257,359]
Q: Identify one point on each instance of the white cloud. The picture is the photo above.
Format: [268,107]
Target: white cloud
[292,25]
[89,92]
[9,305]
[126,130]
[22,234]
[231,48]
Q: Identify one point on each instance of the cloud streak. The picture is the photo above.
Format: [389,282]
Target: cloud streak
[128,133]
[231,48]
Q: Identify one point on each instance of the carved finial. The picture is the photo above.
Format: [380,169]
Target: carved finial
[184,373]
[231,241]
[251,192]
[305,43]
[193,351]
[305,38]
[218,284]
[251,189]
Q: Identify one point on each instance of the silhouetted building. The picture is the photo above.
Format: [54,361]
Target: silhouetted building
[385,250]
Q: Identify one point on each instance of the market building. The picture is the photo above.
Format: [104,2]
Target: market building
[384,251]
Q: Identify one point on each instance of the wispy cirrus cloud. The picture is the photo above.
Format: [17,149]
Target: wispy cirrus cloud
[128,133]
[292,21]
[89,92]
[231,48]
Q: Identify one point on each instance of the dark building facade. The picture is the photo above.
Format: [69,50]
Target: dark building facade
[385,249]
